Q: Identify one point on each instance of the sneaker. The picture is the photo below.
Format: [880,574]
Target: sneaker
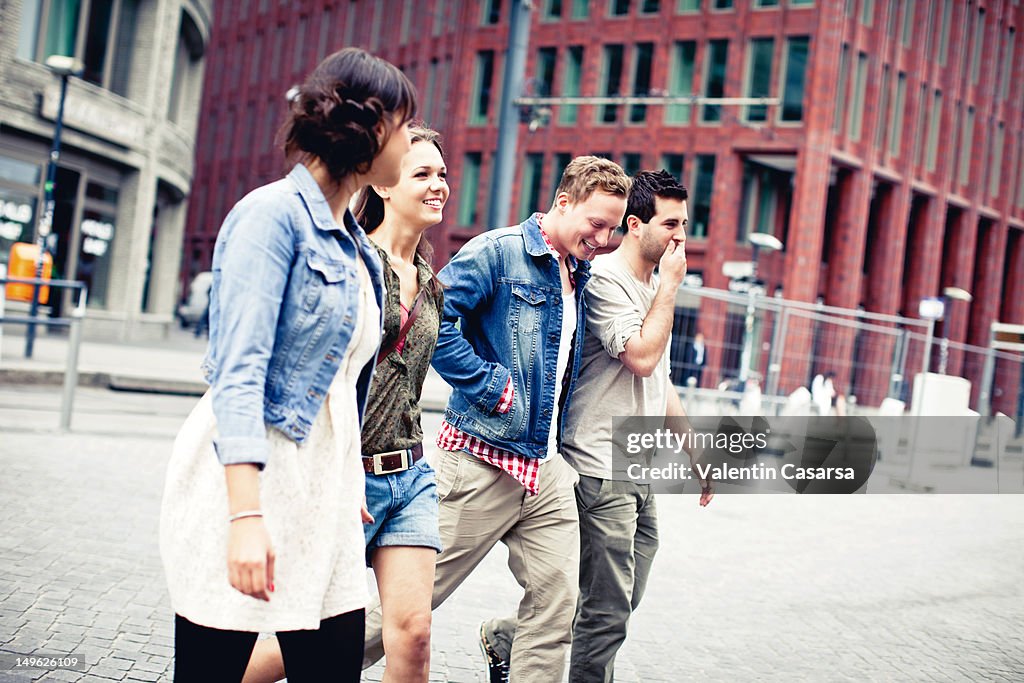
[497,668]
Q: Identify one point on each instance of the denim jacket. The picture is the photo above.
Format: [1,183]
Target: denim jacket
[503,317]
[282,311]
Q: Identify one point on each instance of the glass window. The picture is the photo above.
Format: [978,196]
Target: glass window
[1004,88]
[17,218]
[612,77]
[558,164]
[98,231]
[650,6]
[844,74]
[908,25]
[896,121]
[798,3]
[979,38]
[997,162]
[922,109]
[28,36]
[183,100]
[545,78]
[52,27]
[796,76]
[439,11]
[947,10]
[688,6]
[894,9]
[641,80]
[933,131]
[759,76]
[529,197]
[20,172]
[700,198]
[552,10]
[681,80]
[859,88]
[966,138]
[631,162]
[867,12]
[571,84]
[714,80]
[61,29]
[407,10]
[673,163]
[766,3]
[468,187]
[491,12]
[618,8]
[580,9]
[883,112]
[722,4]
[480,104]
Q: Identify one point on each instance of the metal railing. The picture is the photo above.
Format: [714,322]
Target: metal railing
[73,322]
[875,356]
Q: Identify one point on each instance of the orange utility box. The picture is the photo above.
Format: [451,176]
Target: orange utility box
[22,263]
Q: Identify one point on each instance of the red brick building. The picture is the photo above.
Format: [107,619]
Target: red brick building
[891,168]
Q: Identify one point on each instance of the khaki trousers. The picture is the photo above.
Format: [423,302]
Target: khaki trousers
[481,505]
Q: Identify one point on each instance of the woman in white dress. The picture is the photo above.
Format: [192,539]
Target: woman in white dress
[261,528]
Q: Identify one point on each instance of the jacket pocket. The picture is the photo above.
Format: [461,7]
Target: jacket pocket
[324,276]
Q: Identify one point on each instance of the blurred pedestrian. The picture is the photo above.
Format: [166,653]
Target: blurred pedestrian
[260,526]
[402,541]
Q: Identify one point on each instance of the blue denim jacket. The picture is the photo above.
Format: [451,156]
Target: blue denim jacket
[502,317]
[282,312]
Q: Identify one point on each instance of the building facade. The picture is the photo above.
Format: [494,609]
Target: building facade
[890,167]
[127,147]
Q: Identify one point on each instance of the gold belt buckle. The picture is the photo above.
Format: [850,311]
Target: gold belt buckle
[378,467]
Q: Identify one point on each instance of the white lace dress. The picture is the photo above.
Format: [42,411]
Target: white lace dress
[310,495]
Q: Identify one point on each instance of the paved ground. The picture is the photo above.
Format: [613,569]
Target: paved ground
[878,587]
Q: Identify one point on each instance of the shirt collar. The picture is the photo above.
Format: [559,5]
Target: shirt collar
[547,241]
[315,201]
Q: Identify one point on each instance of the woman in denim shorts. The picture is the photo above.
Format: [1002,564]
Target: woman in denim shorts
[402,541]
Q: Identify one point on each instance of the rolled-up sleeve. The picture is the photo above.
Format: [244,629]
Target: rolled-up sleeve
[252,263]
[612,317]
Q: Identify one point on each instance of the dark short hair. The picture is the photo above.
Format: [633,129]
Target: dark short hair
[337,109]
[646,186]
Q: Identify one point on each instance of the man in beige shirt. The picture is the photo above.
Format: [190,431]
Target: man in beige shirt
[624,371]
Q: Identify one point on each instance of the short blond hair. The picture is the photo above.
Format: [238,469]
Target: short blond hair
[586,174]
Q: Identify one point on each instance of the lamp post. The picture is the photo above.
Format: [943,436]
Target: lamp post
[759,240]
[951,294]
[64,67]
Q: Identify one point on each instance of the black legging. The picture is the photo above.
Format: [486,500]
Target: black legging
[334,652]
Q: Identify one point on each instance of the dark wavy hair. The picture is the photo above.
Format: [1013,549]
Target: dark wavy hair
[646,186]
[369,206]
[335,115]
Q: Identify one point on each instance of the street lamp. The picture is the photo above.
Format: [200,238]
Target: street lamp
[64,67]
[759,241]
[956,294]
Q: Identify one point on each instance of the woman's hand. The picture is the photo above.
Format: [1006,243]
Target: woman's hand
[250,553]
[251,558]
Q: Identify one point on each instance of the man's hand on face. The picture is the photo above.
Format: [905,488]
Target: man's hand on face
[672,267]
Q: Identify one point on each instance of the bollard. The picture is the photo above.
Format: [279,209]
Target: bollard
[71,369]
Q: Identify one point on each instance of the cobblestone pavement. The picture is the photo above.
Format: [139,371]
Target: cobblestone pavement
[870,587]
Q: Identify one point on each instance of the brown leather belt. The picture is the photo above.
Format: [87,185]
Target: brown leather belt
[392,461]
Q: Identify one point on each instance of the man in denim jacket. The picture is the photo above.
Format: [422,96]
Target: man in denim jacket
[509,345]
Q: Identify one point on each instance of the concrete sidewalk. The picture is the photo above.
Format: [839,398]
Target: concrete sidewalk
[170,366]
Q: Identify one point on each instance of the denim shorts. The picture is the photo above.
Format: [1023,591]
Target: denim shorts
[404,509]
